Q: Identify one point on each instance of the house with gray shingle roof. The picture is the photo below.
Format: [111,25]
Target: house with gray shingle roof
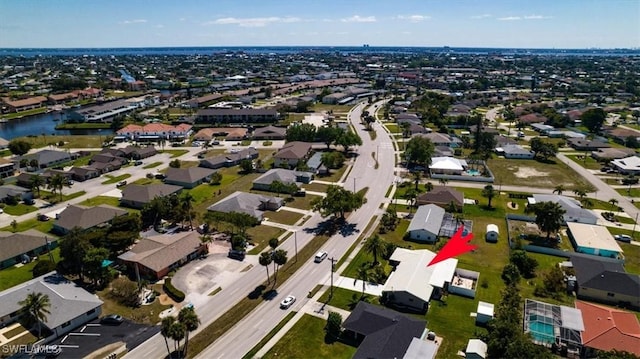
[515,151]
[291,153]
[249,203]
[71,305]
[285,176]
[47,158]
[136,196]
[229,159]
[156,256]
[29,242]
[19,193]
[83,217]
[426,222]
[188,177]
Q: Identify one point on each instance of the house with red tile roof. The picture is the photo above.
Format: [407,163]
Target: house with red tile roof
[155,131]
[608,328]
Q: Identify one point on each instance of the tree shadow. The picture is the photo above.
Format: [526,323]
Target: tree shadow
[257,292]
[270,294]
[348,229]
[326,227]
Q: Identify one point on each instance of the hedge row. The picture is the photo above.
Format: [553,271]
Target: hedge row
[173,292]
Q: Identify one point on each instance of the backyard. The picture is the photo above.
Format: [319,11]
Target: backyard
[19,274]
[545,175]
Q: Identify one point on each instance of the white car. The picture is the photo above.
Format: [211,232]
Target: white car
[623,238]
[320,256]
[287,302]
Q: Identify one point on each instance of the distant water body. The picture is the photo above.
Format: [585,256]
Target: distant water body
[172,51]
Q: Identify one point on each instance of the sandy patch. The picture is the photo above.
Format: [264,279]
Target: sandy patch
[165,300]
[512,205]
[526,172]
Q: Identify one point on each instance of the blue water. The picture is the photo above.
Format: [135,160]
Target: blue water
[40,125]
[203,50]
[541,332]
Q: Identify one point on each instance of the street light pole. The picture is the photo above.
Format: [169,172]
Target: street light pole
[295,242]
[354,185]
[634,227]
[333,261]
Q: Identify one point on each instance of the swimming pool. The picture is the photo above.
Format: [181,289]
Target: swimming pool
[542,332]
[473,172]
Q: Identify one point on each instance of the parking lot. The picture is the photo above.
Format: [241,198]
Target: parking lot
[90,337]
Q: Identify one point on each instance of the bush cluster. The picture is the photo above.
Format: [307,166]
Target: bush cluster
[173,292]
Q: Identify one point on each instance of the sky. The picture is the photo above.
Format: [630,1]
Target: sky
[456,23]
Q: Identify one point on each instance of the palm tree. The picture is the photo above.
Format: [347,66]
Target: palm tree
[411,195]
[489,192]
[56,183]
[364,275]
[265,259]
[614,204]
[165,330]
[443,181]
[273,243]
[428,186]
[417,175]
[36,307]
[186,204]
[279,258]
[36,183]
[375,245]
[559,189]
[177,332]
[189,318]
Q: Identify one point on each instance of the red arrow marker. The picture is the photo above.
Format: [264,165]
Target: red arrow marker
[456,246]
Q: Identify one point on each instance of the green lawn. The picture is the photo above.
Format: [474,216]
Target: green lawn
[334,176]
[514,172]
[260,236]
[115,179]
[316,187]
[19,209]
[152,165]
[96,201]
[70,141]
[306,339]
[589,162]
[392,127]
[345,299]
[633,192]
[12,276]
[175,153]
[146,314]
[631,257]
[302,202]
[44,227]
[20,114]
[283,216]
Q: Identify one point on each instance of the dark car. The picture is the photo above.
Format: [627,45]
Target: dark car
[112,319]
[236,254]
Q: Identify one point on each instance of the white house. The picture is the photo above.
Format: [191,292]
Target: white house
[425,225]
[515,151]
[573,210]
[412,283]
[628,165]
[447,165]
[492,233]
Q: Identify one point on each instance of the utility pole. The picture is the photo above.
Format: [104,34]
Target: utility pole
[295,242]
[634,227]
[46,239]
[333,262]
[354,185]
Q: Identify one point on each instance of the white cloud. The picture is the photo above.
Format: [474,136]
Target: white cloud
[414,18]
[358,18]
[135,21]
[526,17]
[159,26]
[482,16]
[252,22]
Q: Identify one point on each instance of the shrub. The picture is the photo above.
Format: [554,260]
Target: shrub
[43,266]
[173,292]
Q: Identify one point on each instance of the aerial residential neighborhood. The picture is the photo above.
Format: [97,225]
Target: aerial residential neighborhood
[305,201]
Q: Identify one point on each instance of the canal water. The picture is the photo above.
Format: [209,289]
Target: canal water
[42,124]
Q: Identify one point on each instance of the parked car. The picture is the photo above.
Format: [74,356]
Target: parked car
[121,184]
[43,217]
[623,238]
[112,319]
[287,302]
[320,256]
[236,254]
[137,163]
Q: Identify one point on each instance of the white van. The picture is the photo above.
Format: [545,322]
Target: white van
[320,256]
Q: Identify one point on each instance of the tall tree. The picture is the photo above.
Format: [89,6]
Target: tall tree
[364,274]
[36,183]
[375,245]
[338,201]
[19,147]
[165,330]
[177,332]
[549,216]
[186,205]
[593,119]
[188,317]
[279,258]
[73,249]
[559,189]
[36,308]
[265,260]
[94,269]
[614,204]
[348,139]
[329,134]
[419,151]
[489,192]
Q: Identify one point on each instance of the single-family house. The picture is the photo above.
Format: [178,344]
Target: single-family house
[573,210]
[156,256]
[47,158]
[249,203]
[70,305]
[582,144]
[413,283]
[441,139]
[231,115]
[476,349]
[136,196]
[29,243]
[605,280]
[24,104]
[18,193]
[282,175]
[515,151]
[593,239]
[138,153]
[425,224]
[291,153]
[152,132]
[382,332]
[447,165]
[492,233]
[629,165]
[442,196]
[608,329]
[607,154]
[83,217]
[188,177]
[269,133]
[229,159]
[315,165]
[410,118]
[82,174]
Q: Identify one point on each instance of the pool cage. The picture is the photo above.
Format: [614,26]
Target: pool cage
[550,324]
[450,225]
